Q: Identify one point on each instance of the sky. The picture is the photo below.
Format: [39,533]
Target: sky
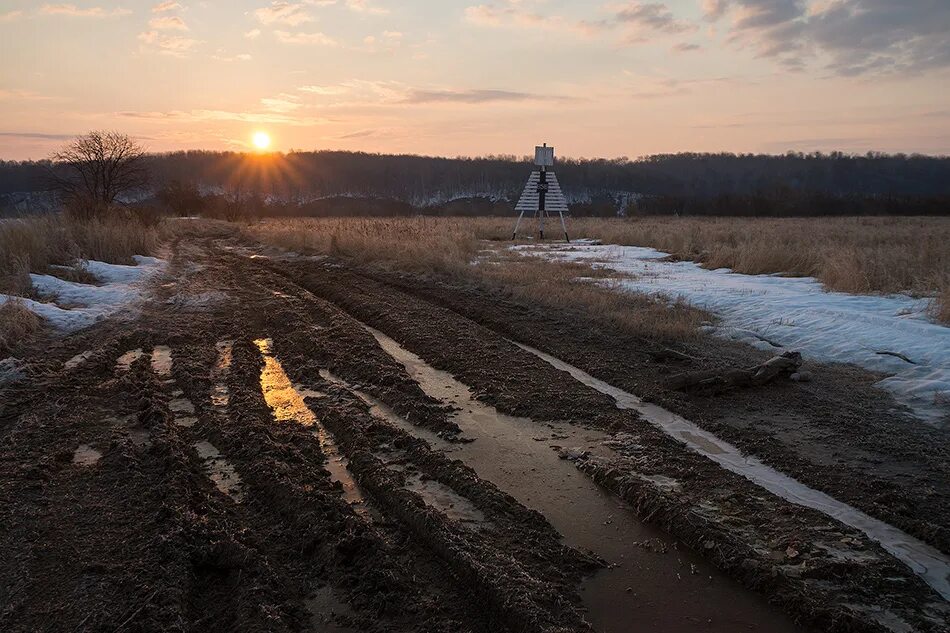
[476,77]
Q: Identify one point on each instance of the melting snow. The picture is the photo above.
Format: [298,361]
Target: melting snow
[797,313]
[85,303]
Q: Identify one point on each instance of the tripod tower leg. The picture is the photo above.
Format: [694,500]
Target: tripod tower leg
[514,234]
[564,227]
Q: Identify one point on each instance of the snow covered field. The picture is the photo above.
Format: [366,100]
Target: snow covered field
[887,334]
[77,305]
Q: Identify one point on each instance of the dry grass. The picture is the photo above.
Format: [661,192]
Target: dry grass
[18,325]
[416,244]
[941,305]
[858,255]
[33,244]
[561,285]
[450,245]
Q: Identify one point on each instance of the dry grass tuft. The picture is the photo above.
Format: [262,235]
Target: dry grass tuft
[18,325]
[34,244]
[941,305]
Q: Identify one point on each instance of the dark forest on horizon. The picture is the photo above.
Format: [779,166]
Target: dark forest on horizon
[357,183]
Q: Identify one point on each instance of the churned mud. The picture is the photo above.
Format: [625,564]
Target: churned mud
[319,449]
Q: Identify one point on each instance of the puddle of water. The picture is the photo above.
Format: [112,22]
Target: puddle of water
[124,362]
[926,561]
[220,394]
[288,405]
[162,361]
[220,471]
[445,500]
[86,455]
[642,589]
[382,411]
[181,405]
[77,360]
[224,355]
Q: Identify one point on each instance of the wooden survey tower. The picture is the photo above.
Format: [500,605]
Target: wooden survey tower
[542,195]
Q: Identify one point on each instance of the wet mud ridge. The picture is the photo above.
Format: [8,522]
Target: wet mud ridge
[279,445]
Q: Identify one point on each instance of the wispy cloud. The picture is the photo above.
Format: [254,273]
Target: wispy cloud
[279,12]
[168,5]
[307,39]
[168,23]
[253,34]
[363,6]
[471,96]
[634,20]
[10,16]
[199,116]
[71,10]
[173,45]
[37,136]
[282,103]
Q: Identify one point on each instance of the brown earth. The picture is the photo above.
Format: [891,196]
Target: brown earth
[270,536]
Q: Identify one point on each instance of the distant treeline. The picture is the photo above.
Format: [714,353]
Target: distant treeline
[350,183]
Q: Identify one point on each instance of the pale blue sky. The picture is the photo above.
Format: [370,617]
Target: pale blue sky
[465,77]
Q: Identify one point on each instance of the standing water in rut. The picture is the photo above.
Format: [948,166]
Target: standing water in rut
[286,400]
[926,561]
[649,584]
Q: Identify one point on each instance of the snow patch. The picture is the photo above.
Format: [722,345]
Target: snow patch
[888,334]
[77,305]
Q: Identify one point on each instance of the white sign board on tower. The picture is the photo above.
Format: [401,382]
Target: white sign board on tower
[544,156]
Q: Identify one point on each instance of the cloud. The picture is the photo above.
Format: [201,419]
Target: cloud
[849,37]
[168,23]
[633,20]
[515,14]
[685,47]
[356,93]
[72,10]
[253,34]
[38,135]
[10,16]
[362,6]
[470,96]
[323,90]
[650,16]
[310,39]
[279,12]
[221,56]
[168,5]
[200,116]
[282,103]
[173,45]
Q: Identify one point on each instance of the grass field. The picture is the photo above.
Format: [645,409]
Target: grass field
[33,244]
[857,255]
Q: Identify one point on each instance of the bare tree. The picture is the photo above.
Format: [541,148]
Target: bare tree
[95,169]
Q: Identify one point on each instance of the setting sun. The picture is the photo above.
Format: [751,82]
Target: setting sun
[261,140]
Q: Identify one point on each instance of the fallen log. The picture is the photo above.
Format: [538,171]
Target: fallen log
[713,381]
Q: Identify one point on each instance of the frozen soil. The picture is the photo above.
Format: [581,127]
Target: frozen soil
[195,506]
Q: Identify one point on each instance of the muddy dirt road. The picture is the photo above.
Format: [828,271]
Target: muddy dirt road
[291,444]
